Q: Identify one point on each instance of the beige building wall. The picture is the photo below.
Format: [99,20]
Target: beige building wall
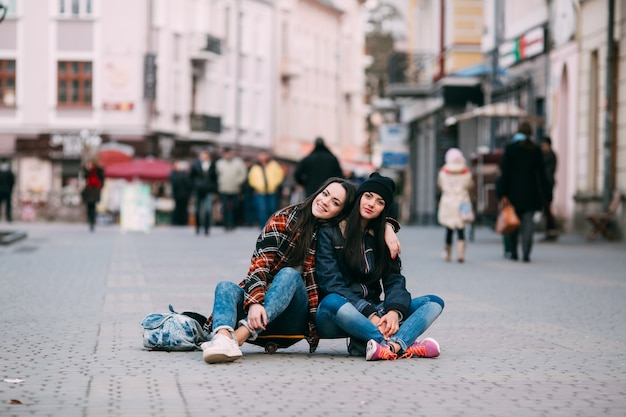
[591,102]
[463,29]
[320,60]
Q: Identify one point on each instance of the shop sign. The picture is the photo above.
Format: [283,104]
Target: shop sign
[395,159]
[393,145]
[74,144]
[530,44]
[393,134]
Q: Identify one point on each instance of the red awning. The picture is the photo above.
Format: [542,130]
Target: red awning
[112,152]
[145,169]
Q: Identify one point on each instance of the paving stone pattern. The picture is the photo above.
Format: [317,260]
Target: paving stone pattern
[541,339]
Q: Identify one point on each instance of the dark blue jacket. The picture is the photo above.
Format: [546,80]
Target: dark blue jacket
[334,276]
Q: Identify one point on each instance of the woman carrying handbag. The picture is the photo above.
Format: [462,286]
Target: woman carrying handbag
[455,206]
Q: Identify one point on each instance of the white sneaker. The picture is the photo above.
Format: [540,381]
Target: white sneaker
[220,349]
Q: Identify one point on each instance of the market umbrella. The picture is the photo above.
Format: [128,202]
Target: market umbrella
[145,169]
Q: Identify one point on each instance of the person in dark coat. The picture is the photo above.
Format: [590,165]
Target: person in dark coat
[525,184]
[204,180]
[549,163]
[181,191]
[94,181]
[7,181]
[317,167]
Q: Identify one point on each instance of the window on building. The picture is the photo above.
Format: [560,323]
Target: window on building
[7,82]
[76,8]
[74,84]
[10,6]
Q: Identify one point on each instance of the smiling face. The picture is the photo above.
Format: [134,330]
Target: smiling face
[371,205]
[329,202]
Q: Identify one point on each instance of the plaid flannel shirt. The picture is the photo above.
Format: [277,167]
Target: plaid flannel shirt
[273,247]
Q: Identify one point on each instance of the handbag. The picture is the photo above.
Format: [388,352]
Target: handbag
[466,212]
[507,221]
[174,331]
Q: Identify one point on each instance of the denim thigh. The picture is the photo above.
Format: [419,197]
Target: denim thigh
[336,314]
[286,304]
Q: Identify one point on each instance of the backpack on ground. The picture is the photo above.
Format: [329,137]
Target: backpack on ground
[174,331]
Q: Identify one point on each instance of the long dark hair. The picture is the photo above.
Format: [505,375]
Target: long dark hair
[306,224]
[353,249]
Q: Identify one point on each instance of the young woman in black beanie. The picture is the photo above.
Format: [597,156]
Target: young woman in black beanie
[353,269]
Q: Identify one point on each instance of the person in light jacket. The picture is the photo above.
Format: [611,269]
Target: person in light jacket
[231,174]
[454,181]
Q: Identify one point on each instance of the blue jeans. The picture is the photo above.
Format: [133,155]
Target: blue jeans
[266,205]
[249,209]
[337,317]
[204,204]
[286,304]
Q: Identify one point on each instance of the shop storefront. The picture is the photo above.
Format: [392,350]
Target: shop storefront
[48,173]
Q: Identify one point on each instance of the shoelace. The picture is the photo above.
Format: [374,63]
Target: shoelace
[387,354]
[419,351]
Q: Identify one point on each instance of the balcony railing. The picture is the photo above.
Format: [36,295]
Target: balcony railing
[205,123]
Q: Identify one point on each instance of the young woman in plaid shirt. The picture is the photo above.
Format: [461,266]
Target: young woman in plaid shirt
[279,295]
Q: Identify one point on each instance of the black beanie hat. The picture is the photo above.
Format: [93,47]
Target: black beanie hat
[383,186]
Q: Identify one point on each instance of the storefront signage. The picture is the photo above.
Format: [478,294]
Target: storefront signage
[530,44]
[393,145]
[395,159]
[75,143]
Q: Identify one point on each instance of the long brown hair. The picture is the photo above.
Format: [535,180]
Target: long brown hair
[353,249]
[307,224]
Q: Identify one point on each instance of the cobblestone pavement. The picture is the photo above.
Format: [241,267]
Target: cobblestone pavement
[541,339]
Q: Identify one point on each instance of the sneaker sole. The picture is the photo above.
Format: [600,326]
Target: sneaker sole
[219,358]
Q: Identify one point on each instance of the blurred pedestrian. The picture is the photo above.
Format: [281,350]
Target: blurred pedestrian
[94,181]
[454,181]
[549,163]
[7,181]
[231,174]
[181,192]
[317,167]
[204,181]
[249,205]
[525,184]
[266,177]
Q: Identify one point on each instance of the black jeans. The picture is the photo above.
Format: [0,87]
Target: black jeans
[91,215]
[6,198]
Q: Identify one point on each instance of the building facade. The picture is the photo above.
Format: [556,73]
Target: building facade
[169,78]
